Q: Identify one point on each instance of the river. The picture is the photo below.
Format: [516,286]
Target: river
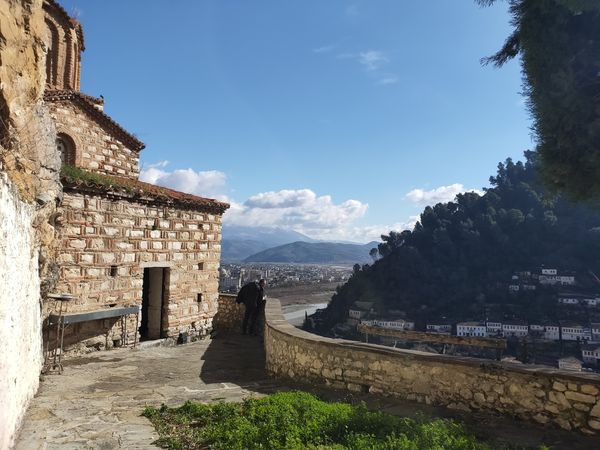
[294,314]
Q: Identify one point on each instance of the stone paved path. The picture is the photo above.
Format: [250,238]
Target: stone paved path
[97,401]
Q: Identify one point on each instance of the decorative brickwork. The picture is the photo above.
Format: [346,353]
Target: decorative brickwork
[123,242]
[65,44]
[106,244]
[97,147]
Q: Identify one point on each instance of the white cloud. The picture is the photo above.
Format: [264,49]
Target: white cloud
[438,195]
[324,49]
[297,209]
[374,63]
[388,79]
[210,183]
[372,59]
[302,210]
[159,164]
[366,233]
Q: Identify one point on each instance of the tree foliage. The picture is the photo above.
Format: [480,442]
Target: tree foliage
[559,42]
[460,255]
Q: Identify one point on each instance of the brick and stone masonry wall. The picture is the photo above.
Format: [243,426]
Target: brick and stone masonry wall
[568,400]
[98,233]
[96,149]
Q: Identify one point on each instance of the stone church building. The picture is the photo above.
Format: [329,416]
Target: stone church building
[123,243]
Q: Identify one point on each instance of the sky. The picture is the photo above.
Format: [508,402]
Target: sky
[338,119]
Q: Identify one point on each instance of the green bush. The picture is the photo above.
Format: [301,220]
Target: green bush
[298,421]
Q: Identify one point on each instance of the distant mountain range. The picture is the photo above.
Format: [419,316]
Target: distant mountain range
[241,243]
[315,252]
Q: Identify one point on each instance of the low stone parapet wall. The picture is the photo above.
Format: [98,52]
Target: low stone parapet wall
[569,400]
[229,314]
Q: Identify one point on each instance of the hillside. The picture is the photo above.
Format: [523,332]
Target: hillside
[459,257]
[239,242]
[315,252]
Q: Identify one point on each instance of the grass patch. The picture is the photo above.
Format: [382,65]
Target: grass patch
[298,421]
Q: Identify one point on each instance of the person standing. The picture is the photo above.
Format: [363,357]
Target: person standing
[252,296]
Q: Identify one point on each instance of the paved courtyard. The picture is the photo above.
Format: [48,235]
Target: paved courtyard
[96,403]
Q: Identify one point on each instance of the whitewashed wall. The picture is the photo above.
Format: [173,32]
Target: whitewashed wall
[20,313]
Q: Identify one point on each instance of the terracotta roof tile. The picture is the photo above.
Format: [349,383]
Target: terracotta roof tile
[136,190]
[87,103]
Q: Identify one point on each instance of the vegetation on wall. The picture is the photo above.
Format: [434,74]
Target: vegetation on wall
[460,256]
[559,45]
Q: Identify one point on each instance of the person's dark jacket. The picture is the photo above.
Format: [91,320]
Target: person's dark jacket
[251,295]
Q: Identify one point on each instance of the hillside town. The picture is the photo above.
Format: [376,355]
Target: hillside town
[570,340]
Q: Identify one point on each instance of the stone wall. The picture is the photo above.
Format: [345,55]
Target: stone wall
[96,149]
[29,189]
[229,316]
[106,242]
[544,395]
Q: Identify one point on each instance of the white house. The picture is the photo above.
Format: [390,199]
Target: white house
[517,329]
[569,363]
[536,328]
[549,271]
[397,324]
[358,310]
[567,299]
[592,302]
[438,327]
[591,354]
[529,287]
[552,332]
[513,288]
[493,328]
[574,332]
[476,329]
[595,327]
[563,280]
[356,313]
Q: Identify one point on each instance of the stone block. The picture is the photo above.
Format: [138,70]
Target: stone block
[595,412]
[579,397]
[594,424]
[552,407]
[581,407]
[563,423]
[77,243]
[559,398]
[589,389]
[559,387]
[107,258]
[110,231]
[128,257]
